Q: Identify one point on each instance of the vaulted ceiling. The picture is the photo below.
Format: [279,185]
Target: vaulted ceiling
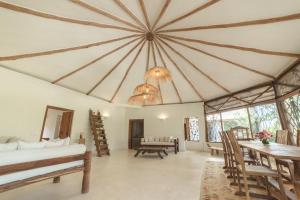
[102,48]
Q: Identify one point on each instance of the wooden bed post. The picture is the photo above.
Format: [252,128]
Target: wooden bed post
[86,172]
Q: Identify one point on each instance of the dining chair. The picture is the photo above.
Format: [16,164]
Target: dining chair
[242,133]
[282,189]
[225,151]
[248,170]
[282,136]
[231,159]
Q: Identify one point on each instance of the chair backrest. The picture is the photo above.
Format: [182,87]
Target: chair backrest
[223,141]
[282,136]
[298,138]
[241,133]
[238,154]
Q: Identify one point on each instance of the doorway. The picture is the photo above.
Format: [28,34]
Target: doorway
[57,123]
[136,132]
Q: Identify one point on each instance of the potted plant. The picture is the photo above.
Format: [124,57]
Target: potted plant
[264,136]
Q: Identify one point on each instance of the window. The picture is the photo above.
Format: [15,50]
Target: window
[214,127]
[235,118]
[264,117]
[292,111]
[192,132]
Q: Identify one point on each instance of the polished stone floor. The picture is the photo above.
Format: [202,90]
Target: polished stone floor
[122,176]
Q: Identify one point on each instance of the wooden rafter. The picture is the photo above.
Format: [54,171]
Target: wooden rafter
[142,4]
[59,18]
[50,52]
[263,92]
[224,103]
[162,12]
[195,67]
[165,65]
[126,10]
[239,24]
[93,61]
[114,67]
[106,14]
[202,7]
[255,50]
[127,72]
[148,58]
[180,71]
[223,59]
[155,63]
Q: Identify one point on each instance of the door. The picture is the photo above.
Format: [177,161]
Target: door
[66,124]
[136,132]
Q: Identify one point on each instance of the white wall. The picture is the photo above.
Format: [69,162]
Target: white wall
[173,125]
[23,101]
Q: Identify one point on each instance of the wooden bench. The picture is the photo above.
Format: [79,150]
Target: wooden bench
[214,149]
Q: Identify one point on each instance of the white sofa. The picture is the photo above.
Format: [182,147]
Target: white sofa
[161,142]
[22,163]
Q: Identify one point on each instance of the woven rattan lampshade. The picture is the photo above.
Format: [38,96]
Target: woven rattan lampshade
[158,73]
[143,98]
[145,88]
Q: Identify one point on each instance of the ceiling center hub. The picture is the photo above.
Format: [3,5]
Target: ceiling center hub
[149,36]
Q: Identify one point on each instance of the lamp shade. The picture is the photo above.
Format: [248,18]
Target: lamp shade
[145,88]
[143,98]
[158,73]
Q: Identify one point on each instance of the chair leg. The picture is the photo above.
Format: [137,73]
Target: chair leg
[246,187]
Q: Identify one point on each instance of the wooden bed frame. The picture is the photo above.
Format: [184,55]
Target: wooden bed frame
[86,168]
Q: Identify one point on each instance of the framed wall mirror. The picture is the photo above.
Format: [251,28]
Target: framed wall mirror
[57,123]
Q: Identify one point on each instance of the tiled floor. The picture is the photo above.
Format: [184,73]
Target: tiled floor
[122,176]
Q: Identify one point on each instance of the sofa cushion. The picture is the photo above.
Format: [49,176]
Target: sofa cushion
[55,143]
[157,143]
[8,147]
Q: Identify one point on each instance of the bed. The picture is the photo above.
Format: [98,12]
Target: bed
[22,167]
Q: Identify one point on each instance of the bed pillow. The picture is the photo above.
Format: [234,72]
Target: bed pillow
[3,139]
[8,147]
[54,143]
[31,145]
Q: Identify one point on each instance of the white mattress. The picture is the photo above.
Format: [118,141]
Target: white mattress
[21,156]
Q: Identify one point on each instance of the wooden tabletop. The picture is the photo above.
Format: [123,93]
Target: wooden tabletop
[275,150]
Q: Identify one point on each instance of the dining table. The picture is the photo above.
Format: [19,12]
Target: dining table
[279,151]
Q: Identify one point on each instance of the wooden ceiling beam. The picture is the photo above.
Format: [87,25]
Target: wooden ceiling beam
[165,65]
[127,72]
[238,24]
[114,67]
[59,18]
[180,71]
[255,50]
[162,12]
[94,61]
[126,10]
[155,63]
[195,67]
[50,52]
[144,11]
[223,59]
[202,7]
[104,13]
[263,92]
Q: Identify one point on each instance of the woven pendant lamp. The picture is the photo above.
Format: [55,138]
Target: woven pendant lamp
[158,73]
[145,88]
[143,98]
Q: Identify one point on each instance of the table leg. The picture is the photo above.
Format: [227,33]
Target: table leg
[297,178]
[164,151]
[137,153]
[160,155]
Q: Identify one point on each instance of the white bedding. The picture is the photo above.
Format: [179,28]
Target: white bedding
[20,156]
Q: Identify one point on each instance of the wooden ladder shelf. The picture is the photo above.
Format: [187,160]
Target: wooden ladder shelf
[97,129]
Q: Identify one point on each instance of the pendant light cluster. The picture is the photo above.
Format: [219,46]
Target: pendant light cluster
[147,93]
